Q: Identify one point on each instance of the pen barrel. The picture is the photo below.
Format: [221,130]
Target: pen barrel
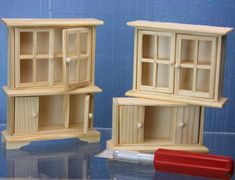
[134,157]
[194,164]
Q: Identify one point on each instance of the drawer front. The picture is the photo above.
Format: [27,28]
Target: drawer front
[131,124]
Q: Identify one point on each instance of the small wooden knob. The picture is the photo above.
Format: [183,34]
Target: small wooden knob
[90,115]
[140,125]
[177,66]
[68,60]
[182,124]
[35,114]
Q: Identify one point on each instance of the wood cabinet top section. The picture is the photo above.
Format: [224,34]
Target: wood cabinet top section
[181,27]
[50,22]
[126,101]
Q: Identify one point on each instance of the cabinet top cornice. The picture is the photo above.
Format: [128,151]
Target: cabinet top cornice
[215,30]
[47,22]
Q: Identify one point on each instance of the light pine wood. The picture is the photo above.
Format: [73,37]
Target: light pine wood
[47,135]
[135,62]
[56,22]
[93,50]
[179,62]
[15,145]
[223,53]
[91,115]
[115,122]
[26,115]
[86,113]
[66,109]
[50,111]
[128,101]
[17,63]
[186,28]
[131,124]
[16,142]
[74,41]
[176,66]
[33,67]
[138,123]
[218,64]
[194,84]
[51,55]
[37,52]
[77,109]
[44,56]
[187,125]
[49,91]
[152,148]
[11,58]
[156,59]
[158,122]
[10,115]
[201,125]
[180,99]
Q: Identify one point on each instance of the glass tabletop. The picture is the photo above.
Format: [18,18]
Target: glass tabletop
[74,159]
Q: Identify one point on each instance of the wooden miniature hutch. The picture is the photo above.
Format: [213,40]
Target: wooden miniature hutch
[178,69]
[51,64]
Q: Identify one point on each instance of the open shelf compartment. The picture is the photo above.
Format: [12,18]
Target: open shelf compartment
[140,124]
[50,115]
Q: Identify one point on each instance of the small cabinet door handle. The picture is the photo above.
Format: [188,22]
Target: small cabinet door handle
[182,124]
[140,125]
[90,115]
[177,66]
[68,60]
[35,114]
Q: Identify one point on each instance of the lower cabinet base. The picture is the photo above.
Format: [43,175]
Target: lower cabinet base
[152,147]
[18,141]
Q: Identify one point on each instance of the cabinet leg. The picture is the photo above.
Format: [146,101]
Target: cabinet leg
[16,145]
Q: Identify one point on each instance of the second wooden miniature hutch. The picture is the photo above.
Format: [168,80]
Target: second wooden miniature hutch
[178,70]
[51,64]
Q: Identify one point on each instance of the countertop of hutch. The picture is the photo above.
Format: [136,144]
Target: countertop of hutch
[181,27]
[47,22]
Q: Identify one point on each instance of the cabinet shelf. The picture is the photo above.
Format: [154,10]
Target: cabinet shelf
[26,56]
[50,128]
[60,128]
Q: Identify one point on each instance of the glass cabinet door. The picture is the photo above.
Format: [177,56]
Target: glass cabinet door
[32,56]
[156,61]
[77,54]
[195,61]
